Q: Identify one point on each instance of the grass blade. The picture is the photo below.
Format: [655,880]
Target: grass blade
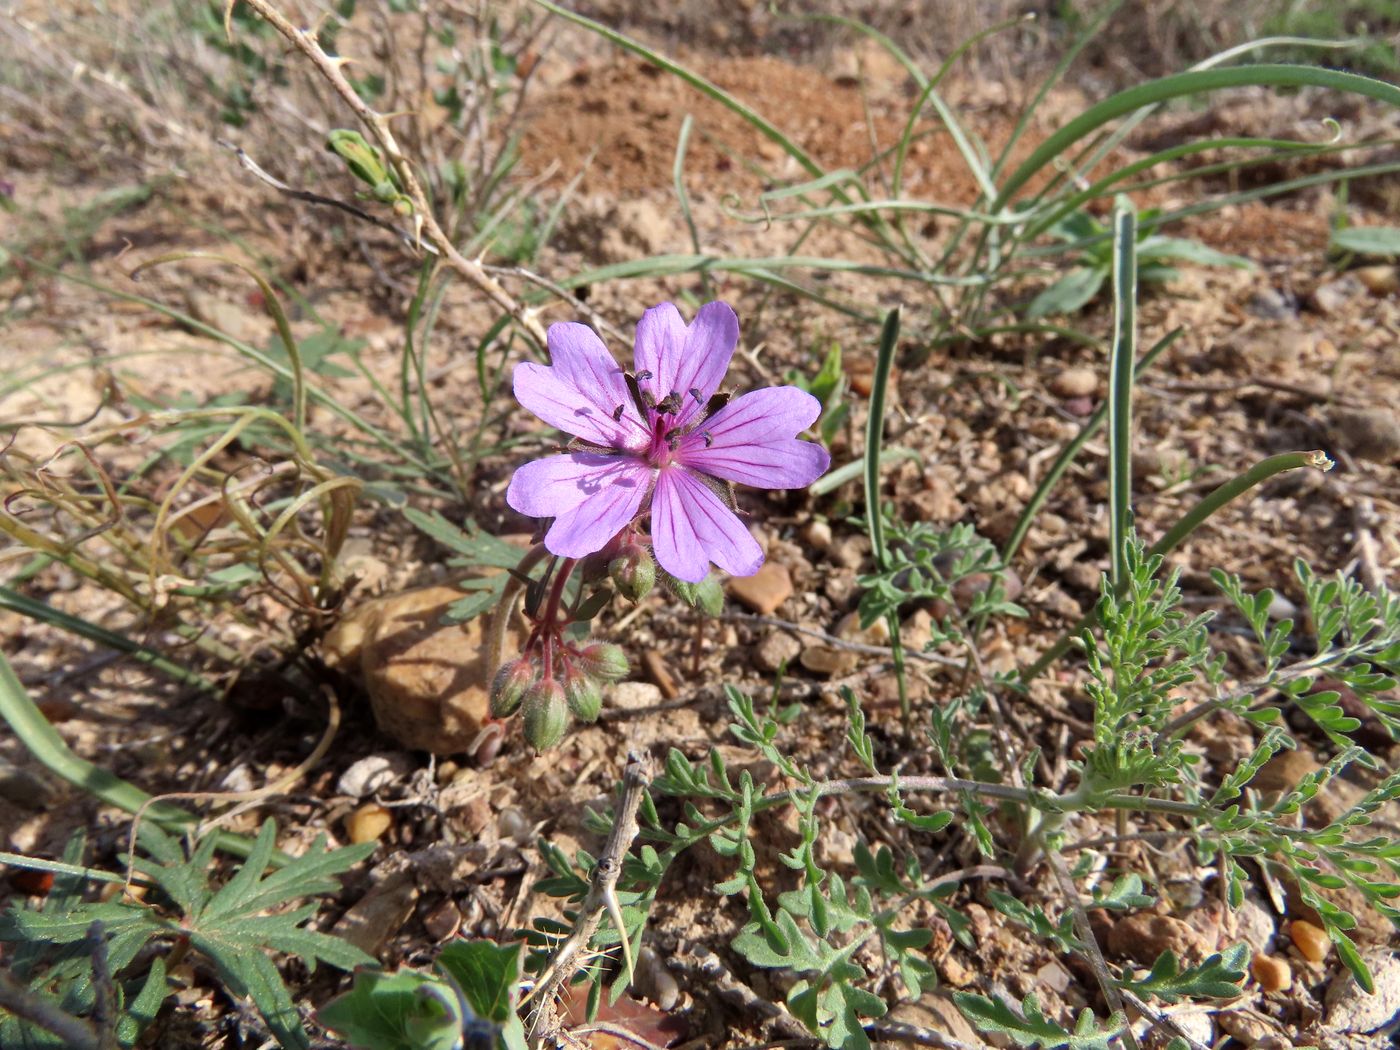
[874,512]
[1176,86]
[1121,358]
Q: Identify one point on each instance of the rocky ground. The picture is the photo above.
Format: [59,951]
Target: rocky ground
[1290,354]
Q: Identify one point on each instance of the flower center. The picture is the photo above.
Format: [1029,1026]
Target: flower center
[663,444]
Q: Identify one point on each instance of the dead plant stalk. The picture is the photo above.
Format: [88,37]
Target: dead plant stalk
[378,124]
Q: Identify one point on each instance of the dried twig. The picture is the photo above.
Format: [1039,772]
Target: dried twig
[76,1033]
[1092,951]
[601,898]
[841,643]
[378,124]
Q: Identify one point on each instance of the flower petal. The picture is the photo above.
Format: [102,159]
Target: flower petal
[581,390]
[751,441]
[590,496]
[691,527]
[685,358]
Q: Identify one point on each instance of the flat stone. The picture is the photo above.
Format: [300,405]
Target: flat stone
[379,914]
[827,659]
[629,696]
[1350,1009]
[427,681]
[775,649]
[1332,297]
[765,590]
[374,773]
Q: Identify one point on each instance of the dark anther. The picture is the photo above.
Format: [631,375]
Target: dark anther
[699,397]
[641,398]
[617,413]
[644,374]
[670,403]
[717,402]
[709,438]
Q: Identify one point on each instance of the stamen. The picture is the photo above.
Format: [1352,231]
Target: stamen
[699,397]
[670,404]
[641,398]
[717,402]
[644,374]
[617,413]
[709,438]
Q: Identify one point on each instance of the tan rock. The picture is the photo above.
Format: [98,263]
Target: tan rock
[369,823]
[775,649]
[1273,974]
[1379,280]
[765,590]
[1310,940]
[827,659]
[379,914]
[426,680]
[935,1011]
[1075,382]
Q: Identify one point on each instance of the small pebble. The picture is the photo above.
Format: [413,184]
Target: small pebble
[1273,975]
[369,823]
[765,590]
[631,696]
[817,535]
[826,659]
[373,773]
[443,920]
[655,982]
[1331,298]
[1312,941]
[1379,280]
[511,824]
[775,649]
[1075,382]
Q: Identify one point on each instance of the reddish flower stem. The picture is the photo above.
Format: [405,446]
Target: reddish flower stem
[549,630]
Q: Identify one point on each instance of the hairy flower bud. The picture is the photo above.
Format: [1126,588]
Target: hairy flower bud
[545,715]
[604,661]
[633,571]
[584,696]
[509,685]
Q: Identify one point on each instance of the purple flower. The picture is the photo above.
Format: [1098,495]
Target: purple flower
[656,438]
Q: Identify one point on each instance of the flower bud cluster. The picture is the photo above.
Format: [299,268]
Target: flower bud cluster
[547,692]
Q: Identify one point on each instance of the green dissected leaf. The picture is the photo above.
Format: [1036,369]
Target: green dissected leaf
[487,973]
[1034,1029]
[1061,934]
[395,1011]
[1367,240]
[1218,977]
[1125,893]
[1069,294]
[476,548]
